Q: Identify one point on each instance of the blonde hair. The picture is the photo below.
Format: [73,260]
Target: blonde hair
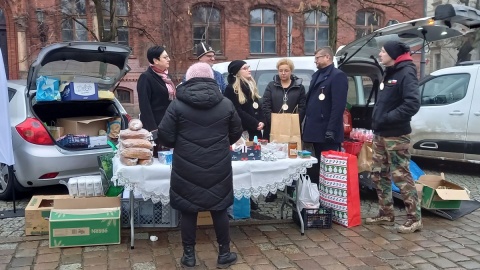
[237,88]
[286,61]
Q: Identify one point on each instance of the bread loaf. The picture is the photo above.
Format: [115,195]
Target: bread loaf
[136,143]
[128,161]
[145,162]
[137,134]
[135,124]
[140,153]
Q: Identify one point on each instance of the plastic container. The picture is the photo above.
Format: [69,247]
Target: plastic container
[148,214]
[352,147]
[315,218]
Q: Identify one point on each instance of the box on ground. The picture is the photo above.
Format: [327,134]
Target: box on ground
[204,218]
[80,91]
[85,222]
[89,125]
[437,193]
[37,213]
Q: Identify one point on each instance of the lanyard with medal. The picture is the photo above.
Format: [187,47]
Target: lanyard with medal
[255,105]
[285,99]
[322,95]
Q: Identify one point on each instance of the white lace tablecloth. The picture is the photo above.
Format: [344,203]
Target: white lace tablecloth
[250,178]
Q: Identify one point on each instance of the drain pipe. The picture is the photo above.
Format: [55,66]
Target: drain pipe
[423,60]
[289,36]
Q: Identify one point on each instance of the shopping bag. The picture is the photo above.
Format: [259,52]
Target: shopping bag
[308,194]
[365,158]
[339,187]
[285,127]
[241,208]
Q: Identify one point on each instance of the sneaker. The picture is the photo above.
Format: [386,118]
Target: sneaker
[380,220]
[410,226]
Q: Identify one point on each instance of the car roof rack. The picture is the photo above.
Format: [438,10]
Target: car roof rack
[469,63]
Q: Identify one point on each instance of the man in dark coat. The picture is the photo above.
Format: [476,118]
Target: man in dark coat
[155,89]
[397,101]
[326,100]
[201,125]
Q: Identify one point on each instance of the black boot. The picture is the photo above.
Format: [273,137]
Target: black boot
[253,205]
[271,197]
[188,258]
[225,257]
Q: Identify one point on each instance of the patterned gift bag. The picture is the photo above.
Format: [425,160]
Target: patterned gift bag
[339,187]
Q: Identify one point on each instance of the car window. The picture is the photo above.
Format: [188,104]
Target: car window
[359,88]
[11,93]
[445,89]
[263,77]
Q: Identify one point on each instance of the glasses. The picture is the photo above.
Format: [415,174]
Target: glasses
[245,68]
[284,71]
[318,57]
[164,57]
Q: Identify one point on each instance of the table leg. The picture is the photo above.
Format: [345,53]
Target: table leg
[302,226]
[132,211]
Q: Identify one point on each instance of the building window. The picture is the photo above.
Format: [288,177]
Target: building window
[366,22]
[206,26]
[316,31]
[122,21]
[74,20]
[263,36]
[438,61]
[123,95]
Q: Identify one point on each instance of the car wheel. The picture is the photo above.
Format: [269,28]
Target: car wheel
[6,187]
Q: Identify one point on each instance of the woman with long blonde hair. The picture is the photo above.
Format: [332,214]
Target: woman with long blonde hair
[242,91]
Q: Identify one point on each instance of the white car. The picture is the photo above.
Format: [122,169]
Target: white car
[448,123]
[39,159]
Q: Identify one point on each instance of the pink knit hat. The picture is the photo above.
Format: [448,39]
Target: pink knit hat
[199,70]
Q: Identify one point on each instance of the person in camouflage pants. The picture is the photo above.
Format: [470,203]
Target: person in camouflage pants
[392,157]
[398,99]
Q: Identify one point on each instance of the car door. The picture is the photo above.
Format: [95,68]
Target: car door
[472,144]
[440,126]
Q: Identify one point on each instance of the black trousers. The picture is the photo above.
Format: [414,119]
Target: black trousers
[314,172]
[220,224]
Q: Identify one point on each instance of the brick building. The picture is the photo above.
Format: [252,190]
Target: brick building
[236,29]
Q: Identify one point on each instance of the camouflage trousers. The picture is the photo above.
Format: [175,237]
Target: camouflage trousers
[391,160]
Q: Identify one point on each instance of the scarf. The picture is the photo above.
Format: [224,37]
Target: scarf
[168,82]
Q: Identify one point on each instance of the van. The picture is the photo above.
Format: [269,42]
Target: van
[447,125]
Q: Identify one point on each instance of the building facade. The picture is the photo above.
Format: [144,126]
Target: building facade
[235,29]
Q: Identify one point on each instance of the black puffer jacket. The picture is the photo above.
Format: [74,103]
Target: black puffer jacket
[201,125]
[274,94]
[397,102]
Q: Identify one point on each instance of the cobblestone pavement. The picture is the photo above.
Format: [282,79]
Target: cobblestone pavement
[272,244]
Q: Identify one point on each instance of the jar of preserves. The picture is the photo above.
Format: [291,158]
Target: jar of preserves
[292,150]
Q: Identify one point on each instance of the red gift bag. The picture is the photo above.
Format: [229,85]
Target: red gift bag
[339,188]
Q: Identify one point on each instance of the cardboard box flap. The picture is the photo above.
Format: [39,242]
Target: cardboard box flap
[87,203]
[435,181]
[453,194]
[93,119]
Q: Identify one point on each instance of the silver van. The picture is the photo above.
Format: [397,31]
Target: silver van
[448,123]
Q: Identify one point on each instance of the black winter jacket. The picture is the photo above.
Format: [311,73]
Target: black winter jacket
[200,124]
[249,115]
[274,94]
[397,102]
[152,99]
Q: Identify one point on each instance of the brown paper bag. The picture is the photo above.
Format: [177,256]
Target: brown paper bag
[56,132]
[365,158]
[285,128]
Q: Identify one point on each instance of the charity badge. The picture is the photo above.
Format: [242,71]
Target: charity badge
[255,105]
[321,96]
[284,107]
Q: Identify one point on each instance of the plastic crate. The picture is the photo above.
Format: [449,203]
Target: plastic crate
[315,218]
[147,214]
[352,147]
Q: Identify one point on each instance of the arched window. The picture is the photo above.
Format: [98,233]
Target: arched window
[206,26]
[263,31]
[123,95]
[316,31]
[367,21]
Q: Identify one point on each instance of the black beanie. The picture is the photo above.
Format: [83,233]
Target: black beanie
[395,48]
[203,48]
[233,68]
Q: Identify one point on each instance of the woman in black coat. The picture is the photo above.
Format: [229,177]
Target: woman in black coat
[155,89]
[242,91]
[201,125]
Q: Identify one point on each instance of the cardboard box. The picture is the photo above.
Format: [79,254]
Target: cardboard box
[80,91]
[204,218]
[37,213]
[85,222]
[434,196]
[89,125]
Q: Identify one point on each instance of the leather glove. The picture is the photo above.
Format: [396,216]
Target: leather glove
[330,136]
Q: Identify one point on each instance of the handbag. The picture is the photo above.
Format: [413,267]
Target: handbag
[308,194]
[285,128]
[339,187]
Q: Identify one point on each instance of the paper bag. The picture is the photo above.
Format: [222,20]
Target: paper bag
[339,187]
[56,132]
[285,128]
[365,158]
